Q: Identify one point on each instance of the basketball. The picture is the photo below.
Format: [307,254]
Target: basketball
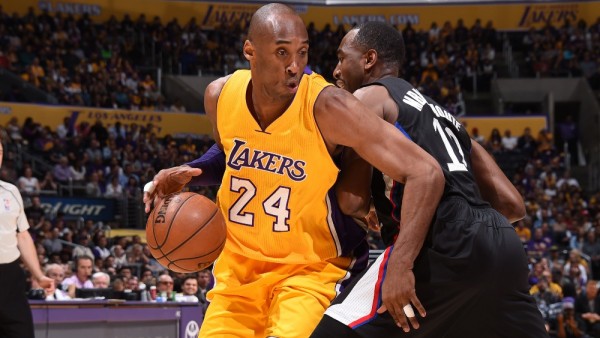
[185,232]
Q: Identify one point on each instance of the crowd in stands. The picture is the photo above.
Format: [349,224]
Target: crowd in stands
[99,160]
[568,50]
[79,62]
[107,162]
[101,64]
[87,63]
[559,232]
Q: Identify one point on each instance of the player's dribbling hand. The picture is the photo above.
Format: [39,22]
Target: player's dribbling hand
[166,182]
[398,293]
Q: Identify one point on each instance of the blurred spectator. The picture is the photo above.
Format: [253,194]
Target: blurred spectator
[189,288]
[78,171]
[575,268]
[539,245]
[526,142]
[101,280]
[114,188]
[523,232]
[35,212]
[568,324]
[165,285]
[587,305]
[28,184]
[55,292]
[569,134]
[93,188]
[66,129]
[62,172]
[477,137]
[101,250]
[120,256]
[495,141]
[48,185]
[53,243]
[118,285]
[82,248]
[13,130]
[591,248]
[568,180]
[544,141]
[509,142]
[81,278]
[204,283]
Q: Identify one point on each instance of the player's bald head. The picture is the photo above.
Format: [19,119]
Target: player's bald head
[263,19]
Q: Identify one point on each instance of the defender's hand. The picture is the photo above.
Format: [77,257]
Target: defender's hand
[399,297]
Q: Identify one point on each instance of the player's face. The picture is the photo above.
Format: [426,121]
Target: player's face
[349,72]
[278,57]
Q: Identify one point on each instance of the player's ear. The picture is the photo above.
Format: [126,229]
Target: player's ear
[248,50]
[371,59]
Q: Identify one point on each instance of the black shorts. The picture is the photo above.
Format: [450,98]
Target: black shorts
[471,277]
[15,315]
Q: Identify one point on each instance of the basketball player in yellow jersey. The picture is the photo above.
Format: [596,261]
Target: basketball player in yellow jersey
[279,129]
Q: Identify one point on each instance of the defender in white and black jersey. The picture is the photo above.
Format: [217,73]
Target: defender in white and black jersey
[468,270]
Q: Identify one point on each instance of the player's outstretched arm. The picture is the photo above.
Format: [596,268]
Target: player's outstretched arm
[494,186]
[172,180]
[344,120]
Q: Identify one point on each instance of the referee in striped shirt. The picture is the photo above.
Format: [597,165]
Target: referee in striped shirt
[15,241]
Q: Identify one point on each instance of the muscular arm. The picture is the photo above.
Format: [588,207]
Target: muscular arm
[494,186]
[353,188]
[344,120]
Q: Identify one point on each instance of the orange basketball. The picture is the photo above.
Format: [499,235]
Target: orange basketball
[186,232]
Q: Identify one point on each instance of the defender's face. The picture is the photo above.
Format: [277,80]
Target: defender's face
[279,56]
[349,72]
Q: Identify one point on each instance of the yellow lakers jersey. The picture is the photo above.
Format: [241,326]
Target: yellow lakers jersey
[274,191]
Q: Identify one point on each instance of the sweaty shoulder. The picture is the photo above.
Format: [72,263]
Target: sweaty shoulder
[379,101]
[317,81]
[211,98]
[213,90]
